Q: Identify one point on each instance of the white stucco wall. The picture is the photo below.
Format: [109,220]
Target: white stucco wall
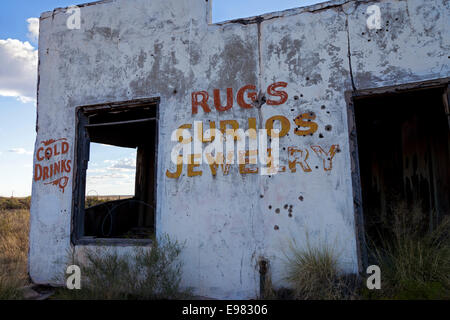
[140,48]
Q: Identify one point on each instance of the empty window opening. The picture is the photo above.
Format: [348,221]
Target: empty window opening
[111,173]
[116,170]
[403,147]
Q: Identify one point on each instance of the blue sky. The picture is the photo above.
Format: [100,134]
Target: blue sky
[110,169]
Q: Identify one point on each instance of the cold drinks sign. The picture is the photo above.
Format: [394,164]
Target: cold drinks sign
[52,165]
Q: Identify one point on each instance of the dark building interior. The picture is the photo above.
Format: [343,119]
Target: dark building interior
[403,146]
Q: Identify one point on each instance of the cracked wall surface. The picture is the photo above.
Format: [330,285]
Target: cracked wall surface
[166,48]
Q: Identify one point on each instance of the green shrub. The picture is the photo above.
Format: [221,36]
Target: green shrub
[93,201]
[313,274]
[414,264]
[9,287]
[144,274]
[15,203]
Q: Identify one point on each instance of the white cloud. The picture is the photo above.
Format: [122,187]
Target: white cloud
[125,164]
[20,151]
[96,171]
[122,169]
[33,29]
[110,176]
[18,71]
[101,181]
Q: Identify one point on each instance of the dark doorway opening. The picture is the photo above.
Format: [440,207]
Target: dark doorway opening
[403,150]
[134,125]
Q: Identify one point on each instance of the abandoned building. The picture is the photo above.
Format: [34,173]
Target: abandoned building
[362,112]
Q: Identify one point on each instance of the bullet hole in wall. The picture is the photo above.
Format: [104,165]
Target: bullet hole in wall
[300,198]
[290,211]
[320,135]
[270,207]
[263,100]
[286,206]
[277,210]
[276,227]
[328,127]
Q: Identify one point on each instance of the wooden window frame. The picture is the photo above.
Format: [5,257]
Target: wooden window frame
[82,146]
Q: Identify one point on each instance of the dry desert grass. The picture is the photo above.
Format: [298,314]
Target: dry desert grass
[14,227]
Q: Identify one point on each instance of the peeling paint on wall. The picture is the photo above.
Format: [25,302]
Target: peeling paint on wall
[135,49]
